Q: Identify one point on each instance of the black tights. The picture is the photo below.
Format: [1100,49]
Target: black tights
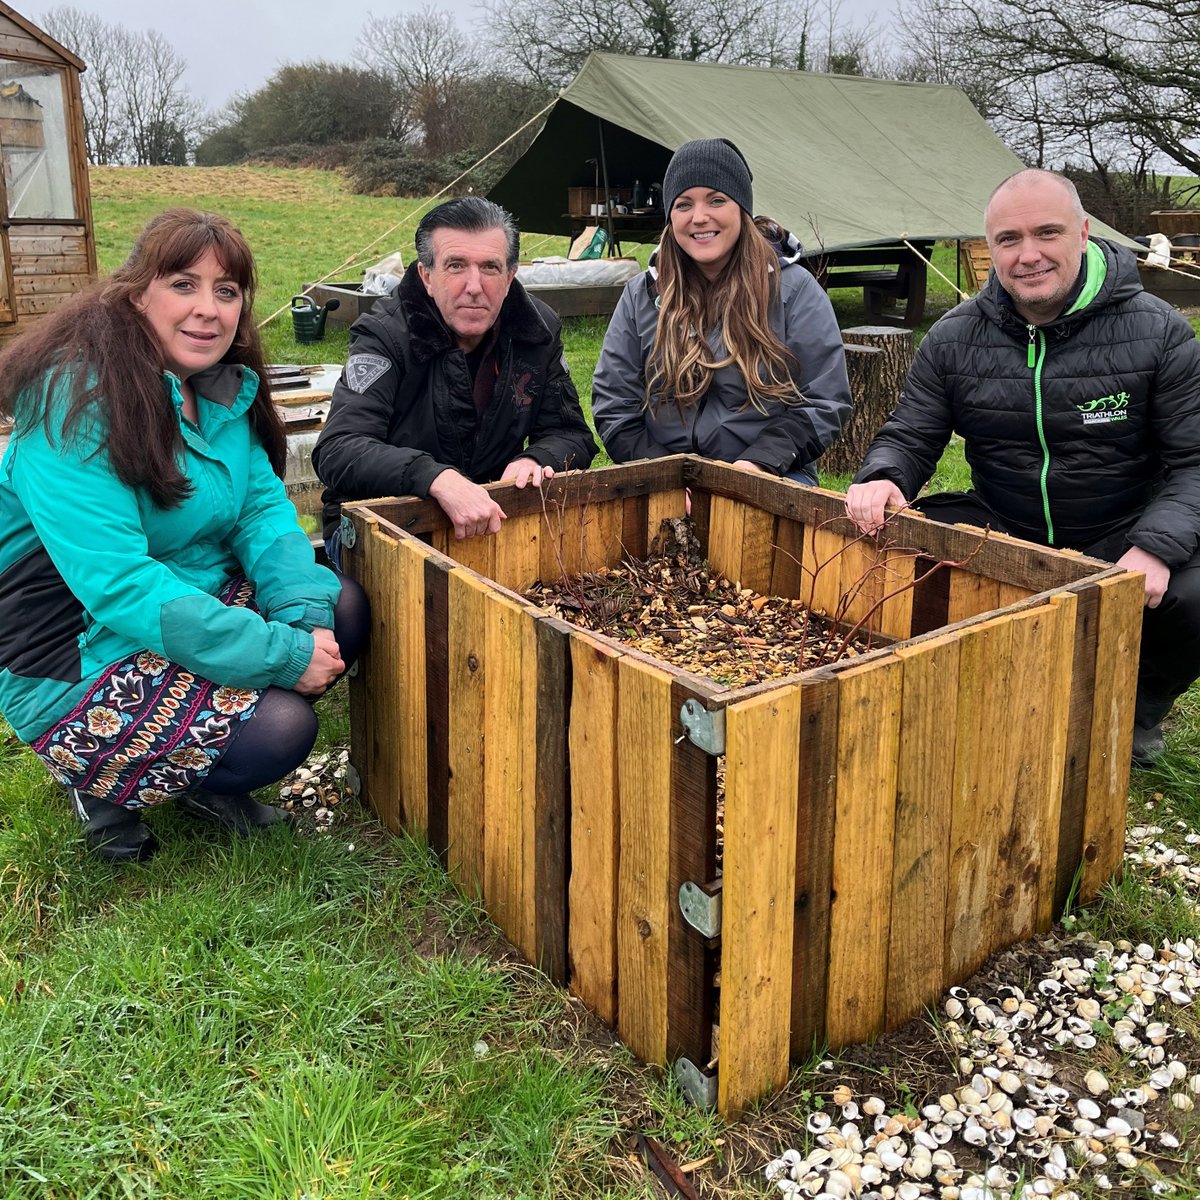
[277,738]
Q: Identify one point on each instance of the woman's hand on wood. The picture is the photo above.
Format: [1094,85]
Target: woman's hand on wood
[325,666]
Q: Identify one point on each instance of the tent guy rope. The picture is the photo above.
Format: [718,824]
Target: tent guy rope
[421,208]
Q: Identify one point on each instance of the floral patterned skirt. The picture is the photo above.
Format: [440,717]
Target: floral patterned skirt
[147,729]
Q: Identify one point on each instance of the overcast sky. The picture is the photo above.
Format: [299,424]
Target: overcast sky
[234,46]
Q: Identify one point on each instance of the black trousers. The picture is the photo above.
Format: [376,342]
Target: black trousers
[1170,658]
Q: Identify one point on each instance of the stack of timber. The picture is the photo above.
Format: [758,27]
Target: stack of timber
[889,822]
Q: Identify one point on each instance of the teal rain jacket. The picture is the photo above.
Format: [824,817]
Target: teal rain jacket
[92,571]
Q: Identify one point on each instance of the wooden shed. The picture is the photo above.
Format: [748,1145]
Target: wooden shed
[47,246]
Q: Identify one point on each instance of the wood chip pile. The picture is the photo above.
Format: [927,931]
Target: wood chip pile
[673,606]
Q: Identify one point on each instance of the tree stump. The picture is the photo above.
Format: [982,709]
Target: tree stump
[878,358]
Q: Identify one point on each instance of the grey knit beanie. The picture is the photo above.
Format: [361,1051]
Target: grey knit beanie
[712,163]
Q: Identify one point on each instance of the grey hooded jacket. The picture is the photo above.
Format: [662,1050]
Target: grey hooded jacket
[722,425]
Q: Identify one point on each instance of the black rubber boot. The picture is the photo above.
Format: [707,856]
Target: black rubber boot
[1148,746]
[238,811]
[112,832]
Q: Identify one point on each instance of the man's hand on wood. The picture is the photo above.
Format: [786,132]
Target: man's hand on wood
[470,509]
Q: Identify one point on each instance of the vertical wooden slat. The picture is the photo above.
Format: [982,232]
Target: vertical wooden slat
[602,535]
[896,582]
[1039,684]
[979,772]
[516,565]
[868,734]
[693,856]
[659,506]
[560,540]
[595,818]
[924,787]
[545,706]
[860,569]
[476,553]
[1059,722]
[437,702]
[358,564]
[409,666]
[701,502]
[506,782]
[786,559]
[1010,593]
[762,765]
[441,540]
[726,536]
[467,657]
[816,806]
[634,524]
[1079,742]
[822,586]
[643,917]
[758,541]
[388,638]
[931,597]
[971,595]
[1118,638]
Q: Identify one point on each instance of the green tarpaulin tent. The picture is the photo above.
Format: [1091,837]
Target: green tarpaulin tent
[840,160]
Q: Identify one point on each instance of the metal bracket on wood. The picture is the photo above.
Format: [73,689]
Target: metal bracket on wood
[703,727]
[349,537]
[352,669]
[353,779]
[698,1086]
[700,904]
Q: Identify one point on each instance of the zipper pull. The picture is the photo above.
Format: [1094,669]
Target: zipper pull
[1032,356]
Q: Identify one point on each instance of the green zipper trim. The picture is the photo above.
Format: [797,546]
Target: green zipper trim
[1035,332]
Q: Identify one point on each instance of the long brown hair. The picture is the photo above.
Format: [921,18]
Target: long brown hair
[105,351]
[681,364]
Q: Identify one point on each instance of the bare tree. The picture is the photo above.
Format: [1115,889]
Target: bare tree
[156,109]
[1076,77]
[426,56]
[99,45]
[135,106]
[548,40]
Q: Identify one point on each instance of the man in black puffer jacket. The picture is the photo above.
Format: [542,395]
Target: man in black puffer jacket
[1077,395]
[457,380]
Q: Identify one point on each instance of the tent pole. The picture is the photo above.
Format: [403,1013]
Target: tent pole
[614,247]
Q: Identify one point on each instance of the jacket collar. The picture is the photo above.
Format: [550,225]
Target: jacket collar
[429,335]
[225,384]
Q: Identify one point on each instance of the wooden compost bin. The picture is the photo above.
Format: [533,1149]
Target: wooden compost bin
[889,822]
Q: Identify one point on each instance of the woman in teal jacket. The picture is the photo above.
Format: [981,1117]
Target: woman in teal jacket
[163,624]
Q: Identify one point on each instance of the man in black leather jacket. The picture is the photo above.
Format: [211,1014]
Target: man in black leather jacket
[1077,395]
[456,380]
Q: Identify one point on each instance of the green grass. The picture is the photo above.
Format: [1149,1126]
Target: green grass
[253,1019]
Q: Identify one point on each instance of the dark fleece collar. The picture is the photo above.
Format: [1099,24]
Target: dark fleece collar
[429,335]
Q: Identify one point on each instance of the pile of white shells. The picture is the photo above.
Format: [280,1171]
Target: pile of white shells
[316,788]
[1018,1127]
[1161,863]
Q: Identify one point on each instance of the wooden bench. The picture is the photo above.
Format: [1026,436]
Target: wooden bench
[974,262]
[887,275]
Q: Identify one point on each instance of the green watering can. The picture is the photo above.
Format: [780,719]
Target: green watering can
[308,321]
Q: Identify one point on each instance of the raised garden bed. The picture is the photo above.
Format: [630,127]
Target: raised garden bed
[889,821]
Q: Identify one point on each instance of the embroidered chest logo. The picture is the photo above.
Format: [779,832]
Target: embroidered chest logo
[1106,409]
[522,398]
[363,369]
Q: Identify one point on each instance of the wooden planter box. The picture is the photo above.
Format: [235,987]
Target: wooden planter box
[889,822]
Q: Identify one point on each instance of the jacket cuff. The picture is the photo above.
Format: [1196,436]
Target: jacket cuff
[298,659]
[422,472]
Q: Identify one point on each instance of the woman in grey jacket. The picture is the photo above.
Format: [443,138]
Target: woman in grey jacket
[766,386]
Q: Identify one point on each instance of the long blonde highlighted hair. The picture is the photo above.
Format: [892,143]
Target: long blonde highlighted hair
[682,364]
